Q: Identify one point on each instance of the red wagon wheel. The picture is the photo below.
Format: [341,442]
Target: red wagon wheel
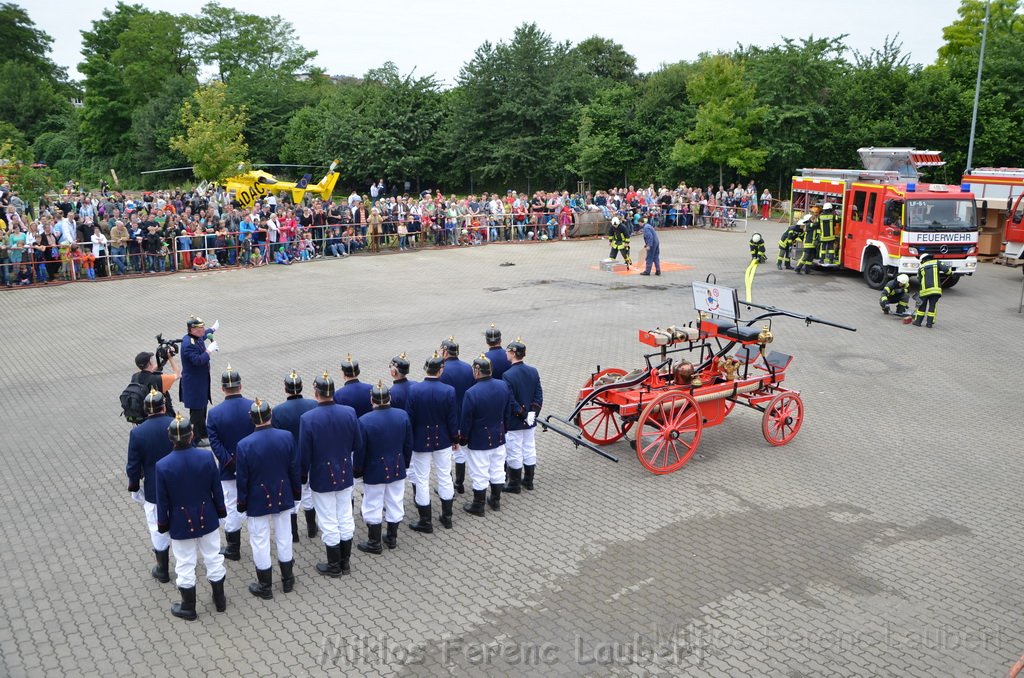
[668,432]
[599,421]
[782,418]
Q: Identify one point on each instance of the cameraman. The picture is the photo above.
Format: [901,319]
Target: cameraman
[152,377]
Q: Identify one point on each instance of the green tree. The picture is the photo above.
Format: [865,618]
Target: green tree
[271,98]
[22,42]
[213,140]
[963,36]
[604,60]
[603,151]
[664,113]
[726,113]
[234,42]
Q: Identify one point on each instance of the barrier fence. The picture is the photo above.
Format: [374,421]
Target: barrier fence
[35,264]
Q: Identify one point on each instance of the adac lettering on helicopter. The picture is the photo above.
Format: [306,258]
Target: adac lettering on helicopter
[249,195]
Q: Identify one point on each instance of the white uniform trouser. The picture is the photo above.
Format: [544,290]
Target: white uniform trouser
[486,467]
[259,538]
[459,455]
[420,474]
[184,551]
[161,542]
[334,516]
[521,448]
[233,523]
[377,497]
[307,500]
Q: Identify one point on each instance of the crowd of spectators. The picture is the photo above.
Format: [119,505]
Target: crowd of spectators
[84,235]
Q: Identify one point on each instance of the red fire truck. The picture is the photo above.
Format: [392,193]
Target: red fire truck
[1000,192]
[887,218]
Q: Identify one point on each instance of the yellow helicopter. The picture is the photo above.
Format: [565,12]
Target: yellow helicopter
[248,187]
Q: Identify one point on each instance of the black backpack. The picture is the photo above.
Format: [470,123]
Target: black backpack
[133,397]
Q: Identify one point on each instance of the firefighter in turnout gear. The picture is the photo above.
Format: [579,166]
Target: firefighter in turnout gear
[618,236]
[896,291]
[812,230]
[827,234]
[790,237]
[930,275]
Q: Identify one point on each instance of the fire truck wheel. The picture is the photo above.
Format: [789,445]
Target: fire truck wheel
[599,420]
[668,432]
[874,271]
[950,281]
[782,418]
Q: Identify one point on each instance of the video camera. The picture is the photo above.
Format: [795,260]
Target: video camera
[165,349]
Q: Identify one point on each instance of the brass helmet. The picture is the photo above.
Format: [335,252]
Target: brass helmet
[180,430]
[153,403]
[293,384]
[350,367]
[324,385]
[433,364]
[380,394]
[483,363]
[400,363]
[517,348]
[230,378]
[493,336]
[194,321]
[259,412]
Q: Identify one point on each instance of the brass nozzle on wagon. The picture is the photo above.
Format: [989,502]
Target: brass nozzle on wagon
[765,336]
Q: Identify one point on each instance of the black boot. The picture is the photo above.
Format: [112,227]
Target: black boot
[515,478]
[391,538]
[295,528]
[929,322]
[778,265]
[287,576]
[332,568]
[310,523]
[460,478]
[424,524]
[885,309]
[161,571]
[372,543]
[788,267]
[446,513]
[219,600]
[917,320]
[233,550]
[476,507]
[263,586]
[494,501]
[186,609]
[346,556]
[528,470]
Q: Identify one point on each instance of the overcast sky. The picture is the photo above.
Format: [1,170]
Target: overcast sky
[439,36]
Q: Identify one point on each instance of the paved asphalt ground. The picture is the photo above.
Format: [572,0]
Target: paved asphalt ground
[882,541]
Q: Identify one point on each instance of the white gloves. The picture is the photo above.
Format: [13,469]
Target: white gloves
[213,347]
[530,418]
[215,326]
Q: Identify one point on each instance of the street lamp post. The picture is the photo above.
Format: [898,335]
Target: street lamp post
[977,89]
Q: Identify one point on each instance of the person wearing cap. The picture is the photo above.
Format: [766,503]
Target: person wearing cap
[286,417]
[789,238]
[458,374]
[194,386]
[267,476]
[401,386]
[153,378]
[484,419]
[354,393]
[896,291]
[495,353]
[930,277]
[329,436]
[527,398]
[147,444]
[189,502]
[652,249]
[381,462]
[227,424]
[435,431]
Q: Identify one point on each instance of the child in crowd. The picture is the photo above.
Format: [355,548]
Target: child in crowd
[89,264]
[307,250]
[24,275]
[199,262]
[66,262]
[77,260]
[282,256]
[552,227]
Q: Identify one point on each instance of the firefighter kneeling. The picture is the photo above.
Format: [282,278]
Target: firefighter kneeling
[896,291]
[929,275]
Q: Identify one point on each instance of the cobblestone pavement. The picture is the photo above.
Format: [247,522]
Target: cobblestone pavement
[880,541]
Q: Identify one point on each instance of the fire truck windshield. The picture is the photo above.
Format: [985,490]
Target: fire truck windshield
[941,215]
